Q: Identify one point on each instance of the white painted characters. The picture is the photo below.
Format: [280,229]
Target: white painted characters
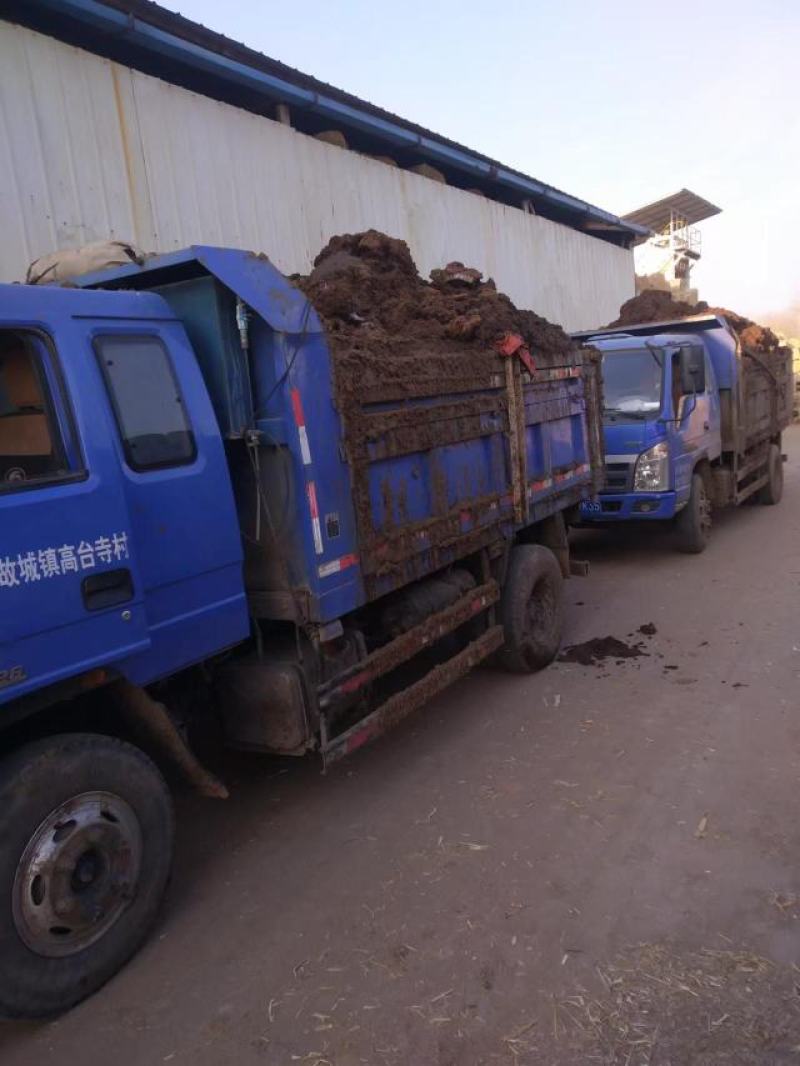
[46,563]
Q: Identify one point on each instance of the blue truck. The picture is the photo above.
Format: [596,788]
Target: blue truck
[692,421]
[204,519]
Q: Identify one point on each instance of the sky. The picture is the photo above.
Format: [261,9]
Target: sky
[614,101]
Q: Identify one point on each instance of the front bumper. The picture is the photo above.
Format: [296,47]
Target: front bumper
[629,507]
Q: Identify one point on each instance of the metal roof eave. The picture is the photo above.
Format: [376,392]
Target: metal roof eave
[124,25]
[692,207]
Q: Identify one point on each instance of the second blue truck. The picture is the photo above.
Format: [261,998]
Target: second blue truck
[692,421]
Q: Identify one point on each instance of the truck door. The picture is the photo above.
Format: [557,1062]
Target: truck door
[178,489]
[698,430]
[70,590]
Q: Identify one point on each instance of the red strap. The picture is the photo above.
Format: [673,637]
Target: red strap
[512,344]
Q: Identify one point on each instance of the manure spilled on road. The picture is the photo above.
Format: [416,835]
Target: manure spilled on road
[598,649]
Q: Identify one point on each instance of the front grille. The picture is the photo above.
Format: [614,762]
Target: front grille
[619,477]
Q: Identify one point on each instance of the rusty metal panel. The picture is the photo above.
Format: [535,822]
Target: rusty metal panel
[767,393]
[90,150]
[398,707]
[398,651]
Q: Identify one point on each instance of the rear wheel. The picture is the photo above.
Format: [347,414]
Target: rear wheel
[693,524]
[86,832]
[773,490]
[531,609]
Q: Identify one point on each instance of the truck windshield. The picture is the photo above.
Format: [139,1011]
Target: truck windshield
[632,383]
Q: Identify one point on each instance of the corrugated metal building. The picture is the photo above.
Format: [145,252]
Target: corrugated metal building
[119,119]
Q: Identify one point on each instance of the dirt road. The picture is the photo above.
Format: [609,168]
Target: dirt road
[474,887]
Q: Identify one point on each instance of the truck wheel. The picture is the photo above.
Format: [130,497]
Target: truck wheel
[86,832]
[773,490]
[531,609]
[693,524]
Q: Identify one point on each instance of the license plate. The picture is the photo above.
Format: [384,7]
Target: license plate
[590,507]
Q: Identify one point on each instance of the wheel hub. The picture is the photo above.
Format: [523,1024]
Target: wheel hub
[77,874]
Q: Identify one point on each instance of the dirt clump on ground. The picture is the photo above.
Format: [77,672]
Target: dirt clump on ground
[655,305]
[371,298]
[596,650]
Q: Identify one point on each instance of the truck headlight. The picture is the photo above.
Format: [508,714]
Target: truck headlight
[652,469]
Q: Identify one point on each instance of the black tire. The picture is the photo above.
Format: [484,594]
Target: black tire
[531,609]
[693,524]
[772,492]
[88,873]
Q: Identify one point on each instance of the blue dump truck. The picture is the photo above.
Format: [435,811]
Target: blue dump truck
[213,509]
[692,421]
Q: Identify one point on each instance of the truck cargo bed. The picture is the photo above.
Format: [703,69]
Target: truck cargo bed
[445,449]
[767,395]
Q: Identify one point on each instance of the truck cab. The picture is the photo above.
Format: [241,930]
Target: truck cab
[120,546]
[692,421]
[661,418]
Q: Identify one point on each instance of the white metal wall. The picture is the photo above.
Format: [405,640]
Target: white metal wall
[90,149]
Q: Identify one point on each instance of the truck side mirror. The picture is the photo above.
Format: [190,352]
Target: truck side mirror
[693,371]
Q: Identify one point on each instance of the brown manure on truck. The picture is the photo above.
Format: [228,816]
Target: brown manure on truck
[655,305]
[371,298]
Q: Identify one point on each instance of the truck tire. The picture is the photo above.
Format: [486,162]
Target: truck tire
[773,490]
[531,609]
[86,834]
[693,524]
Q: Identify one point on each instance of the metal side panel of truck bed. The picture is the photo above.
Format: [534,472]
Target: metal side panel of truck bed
[349,487]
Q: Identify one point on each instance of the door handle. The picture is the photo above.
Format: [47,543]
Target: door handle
[107,589]
[706,425]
